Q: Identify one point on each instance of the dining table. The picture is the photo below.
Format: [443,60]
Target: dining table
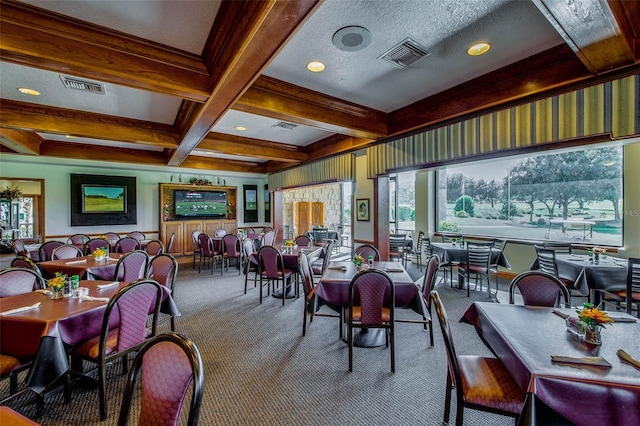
[449,252]
[49,327]
[586,384]
[85,267]
[609,273]
[333,288]
[290,260]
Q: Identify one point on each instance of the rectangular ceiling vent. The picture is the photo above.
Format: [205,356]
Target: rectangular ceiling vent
[285,125]
[404,54]
[87,86]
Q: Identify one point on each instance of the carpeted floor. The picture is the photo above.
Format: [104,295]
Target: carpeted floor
[259,369]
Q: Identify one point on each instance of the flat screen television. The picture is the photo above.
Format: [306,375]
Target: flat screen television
[199,204]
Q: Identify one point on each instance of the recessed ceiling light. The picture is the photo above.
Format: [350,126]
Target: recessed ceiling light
[315,66]
[240,128]
[479,49]
[28,91]
[210,152]
[70,136]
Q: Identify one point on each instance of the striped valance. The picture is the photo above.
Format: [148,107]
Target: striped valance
[334,169]
[612,107]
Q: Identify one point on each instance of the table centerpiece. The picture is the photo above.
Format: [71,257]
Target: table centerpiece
[594,320]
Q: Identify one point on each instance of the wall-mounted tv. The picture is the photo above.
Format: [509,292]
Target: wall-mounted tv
[199,204]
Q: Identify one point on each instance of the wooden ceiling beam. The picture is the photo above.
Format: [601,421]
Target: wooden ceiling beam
[336,144]
[21,141]
[591,30]
[204,163]
[257,148]
[244,38]
[80,151]
[36,38]
[22,115]
[277,99]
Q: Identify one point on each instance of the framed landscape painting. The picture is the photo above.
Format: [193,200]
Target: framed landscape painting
[103,200]
[362,209]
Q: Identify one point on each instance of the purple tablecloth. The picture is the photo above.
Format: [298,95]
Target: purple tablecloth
[525,338]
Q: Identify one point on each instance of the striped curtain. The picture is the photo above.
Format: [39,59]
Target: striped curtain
[334,169]
[612,108]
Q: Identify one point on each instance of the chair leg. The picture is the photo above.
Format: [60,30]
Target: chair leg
[102,391]
[393,349]
[447,401]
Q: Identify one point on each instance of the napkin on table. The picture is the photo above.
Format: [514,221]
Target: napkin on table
[94,299]
[22,309]
[393,269]
[101,286]
[76,262]
[596,361]
[44,291]
[628,358]
[338,268]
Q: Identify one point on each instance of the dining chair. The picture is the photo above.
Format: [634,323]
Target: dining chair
[112,237]
[231,249]
[15,281]
[631,294]
[319,236]
[45,250]
[449,238]
[171,364]
[311,302]
[303,241]
[196,246]
[207,253]
[78,239]
[477,264]
[368,308]
[131,266]
[539,289]
[25,262]
[66,251]
[154,248]
[366,250]
[449,265]
[251,263]
[397,244]
[19,248]
[220,233]
[10,367]
[417,249]
[127,244]
[131,305]
[481,383]
[267,229]
[318,267]
[170,243]
[558,247]
[273,271]
[268,239]
[163,269]
[95,243]
[498,247]
[547,263]
[137,235]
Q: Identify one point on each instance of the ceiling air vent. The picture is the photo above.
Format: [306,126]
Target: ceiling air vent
[285,125]
[87,86]
[405,53]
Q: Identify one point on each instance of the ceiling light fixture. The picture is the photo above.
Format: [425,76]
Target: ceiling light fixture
[28,91]
[351,38]
[70,136]
[315,66]
[240,128]
[478,49]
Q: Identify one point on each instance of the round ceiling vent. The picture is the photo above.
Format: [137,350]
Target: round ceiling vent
[352,38]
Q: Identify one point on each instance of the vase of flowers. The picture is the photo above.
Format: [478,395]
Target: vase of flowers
[358,261]
[287,245]
[101,253]
[594,320]
[57,285]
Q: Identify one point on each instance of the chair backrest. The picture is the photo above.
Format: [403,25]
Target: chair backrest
[419,242]
[426,247]
[319,235]
[132,266]
[19,280]
[171,364]
[78,239]
[66,251]
[154,248]
[397,243]
[94,243]
[206,245]
[163,268]
[452,359]
[538,289]
[249,247]
[24,262]
[304,267]
[195,240]
[18,247]
[249,230]
[633,281]
[137,235]
[220,233]
[327,250]
[269,238]
[447,238]
[127,244]
[47,248]
[366,250]
[372,290]
[499,244]
[429,279]
[547,260]
[559,248]
[231,245]
[271,262]
[303,241]
[112,237]
[267,229]
[479,254]
[170,244]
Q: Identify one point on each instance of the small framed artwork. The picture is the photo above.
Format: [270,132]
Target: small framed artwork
[362,209]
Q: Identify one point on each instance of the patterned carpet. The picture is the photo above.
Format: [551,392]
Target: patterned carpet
[259,369]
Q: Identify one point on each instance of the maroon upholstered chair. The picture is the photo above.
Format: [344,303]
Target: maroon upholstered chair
[481,383]
[366,250]
[46,249]
[170,243]
[303,241]
[131,266]
[231,249]
[95,243]
[311,302]
[65,251]
[273,271]
[164,270]
[78,239]
[25,262]
[15,281]
[127,244]
[220,233]
[318,267]
[251,263]
[154,248]
[196,246]
[131,305]
[208,253]
[112,237]
[268,239]
[170,364]
[137,235]
[372,305]
[18,248]
[538,289]
[10,367]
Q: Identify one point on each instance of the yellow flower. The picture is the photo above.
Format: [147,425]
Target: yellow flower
[100,251]
[358,260]
[288,243]
[593,316]
[58,281]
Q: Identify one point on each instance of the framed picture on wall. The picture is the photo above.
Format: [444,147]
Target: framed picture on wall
[362,209]
[250,203]
[98,200]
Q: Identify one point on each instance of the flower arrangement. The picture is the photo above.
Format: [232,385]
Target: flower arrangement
[288,243]
[199,181]
[358,260]
[593,317]
[11,193]
[104,237]
[57,282]
[100,252]
[600,250]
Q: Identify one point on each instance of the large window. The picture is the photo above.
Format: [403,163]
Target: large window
[566,196]
[402,202]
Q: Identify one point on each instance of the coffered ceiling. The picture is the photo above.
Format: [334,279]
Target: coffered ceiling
[172,80]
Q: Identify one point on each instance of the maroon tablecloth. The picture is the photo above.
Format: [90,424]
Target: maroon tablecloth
[525,338]
[85,266]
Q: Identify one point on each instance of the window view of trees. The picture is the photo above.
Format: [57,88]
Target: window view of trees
[403,207]
[574,195]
